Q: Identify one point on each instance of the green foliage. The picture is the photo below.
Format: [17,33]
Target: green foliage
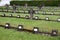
[36,3]
[35,0]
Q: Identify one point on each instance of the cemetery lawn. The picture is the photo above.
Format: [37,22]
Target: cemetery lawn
[7,34]
[45,26]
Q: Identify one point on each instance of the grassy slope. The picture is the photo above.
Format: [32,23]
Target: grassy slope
[6,34]
[28,24]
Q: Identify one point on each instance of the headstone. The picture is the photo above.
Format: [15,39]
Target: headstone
[20,27]
[7,25]
[54,33]
[35,30]
[52,13]
[3,15]
[44,13]
[47,18]
[27,17]
[10,15]
[18,16]
[59,19]
[36,12]
[36,17]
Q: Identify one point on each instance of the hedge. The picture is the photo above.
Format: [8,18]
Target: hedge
[35,3]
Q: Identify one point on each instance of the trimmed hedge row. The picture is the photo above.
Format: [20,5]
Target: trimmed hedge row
[36,3]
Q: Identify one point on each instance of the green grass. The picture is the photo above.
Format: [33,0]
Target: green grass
[45,26]
[7,34]
[29,24]
[52,17]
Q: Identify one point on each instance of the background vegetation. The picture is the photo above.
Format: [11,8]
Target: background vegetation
[36,3]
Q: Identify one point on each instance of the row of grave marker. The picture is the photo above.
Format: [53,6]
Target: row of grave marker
[44,13]
[35,30]
[27,17]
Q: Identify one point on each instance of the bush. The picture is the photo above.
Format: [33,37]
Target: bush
[35,3]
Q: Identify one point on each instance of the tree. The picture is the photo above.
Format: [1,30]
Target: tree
[14,8]
[26,5]
[7,7]
[31,11]
[40,6]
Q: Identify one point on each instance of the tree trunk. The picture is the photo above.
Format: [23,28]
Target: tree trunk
[31,15]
